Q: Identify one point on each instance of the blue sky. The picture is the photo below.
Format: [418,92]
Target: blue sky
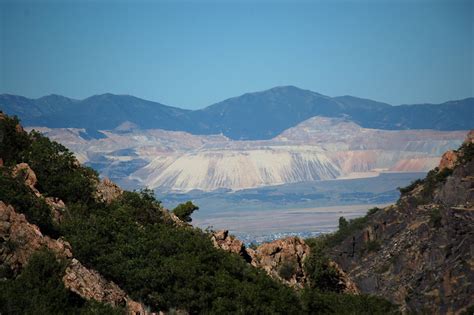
[193,54]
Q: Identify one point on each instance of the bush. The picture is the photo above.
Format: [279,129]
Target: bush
[373,211]
[347,228]
[409,188]
[13,142]
[184,211]
[321,275]
[436,217]
[466,152]
[58,172]
[287,269]
[372,246]
[142,206]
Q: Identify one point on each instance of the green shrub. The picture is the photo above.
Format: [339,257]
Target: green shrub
[352,226]
[436,217]
[287,269]
[409,188]
[372,246]
[184,211]
[58,173]
[373,210]
[321,275]
[343,224]
[12,142]
[142,206]
[466,153]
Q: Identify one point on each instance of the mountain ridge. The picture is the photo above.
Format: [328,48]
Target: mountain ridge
[251,116]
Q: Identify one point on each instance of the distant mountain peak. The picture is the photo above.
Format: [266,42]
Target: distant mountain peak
[54,98]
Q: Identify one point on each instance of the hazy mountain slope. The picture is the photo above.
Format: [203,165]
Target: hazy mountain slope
[105,111]
[252,116]
[263,115]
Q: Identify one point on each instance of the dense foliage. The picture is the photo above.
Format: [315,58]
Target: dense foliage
[58,172]
[169,267]
[39,290]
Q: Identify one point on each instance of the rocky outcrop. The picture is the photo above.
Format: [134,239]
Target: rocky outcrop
[20,239]
[108,191]
[24,171]
[345,282]
[57,206]
[222,239]
[91,285]
[419,253]
[448,160]
[283,259]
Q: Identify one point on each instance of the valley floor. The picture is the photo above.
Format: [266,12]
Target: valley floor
[270,224]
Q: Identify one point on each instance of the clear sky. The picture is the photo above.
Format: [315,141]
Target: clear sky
[193,54]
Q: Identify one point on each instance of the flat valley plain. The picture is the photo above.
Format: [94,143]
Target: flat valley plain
[303,209]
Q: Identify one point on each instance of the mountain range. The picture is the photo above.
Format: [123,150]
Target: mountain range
[252,116]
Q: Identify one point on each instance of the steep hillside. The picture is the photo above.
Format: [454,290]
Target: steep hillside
[252,116]
[418,252]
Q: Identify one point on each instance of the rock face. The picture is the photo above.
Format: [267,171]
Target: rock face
[26,173]
[57,206]
[283,259]
[222,239]
[108,191]
[91,285]
[20,239]
[24,239]
[419,253]
[448,160]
